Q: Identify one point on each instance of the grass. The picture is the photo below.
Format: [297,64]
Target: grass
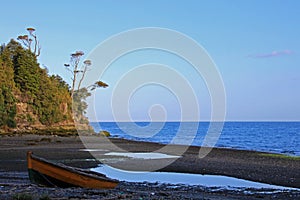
[282,156]
[26,196]
[45,139]
[22,196]
[45,197]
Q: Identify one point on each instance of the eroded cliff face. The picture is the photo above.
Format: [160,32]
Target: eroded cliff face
[27,120]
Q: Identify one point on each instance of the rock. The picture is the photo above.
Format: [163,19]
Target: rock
[104,133]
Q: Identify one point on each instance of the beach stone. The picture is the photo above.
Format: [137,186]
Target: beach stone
[104,133]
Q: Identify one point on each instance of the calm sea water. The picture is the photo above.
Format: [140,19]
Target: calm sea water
[276,137]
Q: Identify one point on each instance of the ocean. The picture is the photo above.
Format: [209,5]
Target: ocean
[274,137]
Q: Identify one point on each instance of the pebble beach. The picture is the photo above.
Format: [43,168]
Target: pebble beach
[249,165]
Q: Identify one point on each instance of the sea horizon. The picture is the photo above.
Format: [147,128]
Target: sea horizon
[274,137]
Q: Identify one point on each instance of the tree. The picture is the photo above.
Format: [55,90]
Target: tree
[79,72]
[47,98]
[28,95]
[75,69]
[7,107]
[7,99]
[96,85]
[31,41]
[79,94]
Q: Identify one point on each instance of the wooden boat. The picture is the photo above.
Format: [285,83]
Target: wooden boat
[52,174]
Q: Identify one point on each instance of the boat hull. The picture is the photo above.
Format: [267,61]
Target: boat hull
[51,174]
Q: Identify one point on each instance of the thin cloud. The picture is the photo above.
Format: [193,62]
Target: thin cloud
[272,54]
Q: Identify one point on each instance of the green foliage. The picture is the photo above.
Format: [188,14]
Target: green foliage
[22,80]
[29,118]
[60,82]
[79,104]
[29,95]
[47,103]
[27,73]
[7,108]
[7,99]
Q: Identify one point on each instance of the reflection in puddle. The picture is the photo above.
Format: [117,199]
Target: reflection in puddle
[184,178]
[142,155]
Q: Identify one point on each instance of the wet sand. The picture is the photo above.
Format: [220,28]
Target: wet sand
[249,165]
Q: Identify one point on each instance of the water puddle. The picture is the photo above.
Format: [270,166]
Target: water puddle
[185,179]
[93,150]
[142,155]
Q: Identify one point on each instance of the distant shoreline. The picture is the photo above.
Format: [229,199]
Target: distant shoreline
[273,137]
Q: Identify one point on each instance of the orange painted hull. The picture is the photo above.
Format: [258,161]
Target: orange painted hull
[47,173]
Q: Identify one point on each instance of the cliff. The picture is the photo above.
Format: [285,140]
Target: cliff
[30,99]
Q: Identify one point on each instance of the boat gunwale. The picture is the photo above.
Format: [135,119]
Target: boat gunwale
[82,172]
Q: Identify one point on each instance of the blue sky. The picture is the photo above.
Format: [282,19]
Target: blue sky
[255,45]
